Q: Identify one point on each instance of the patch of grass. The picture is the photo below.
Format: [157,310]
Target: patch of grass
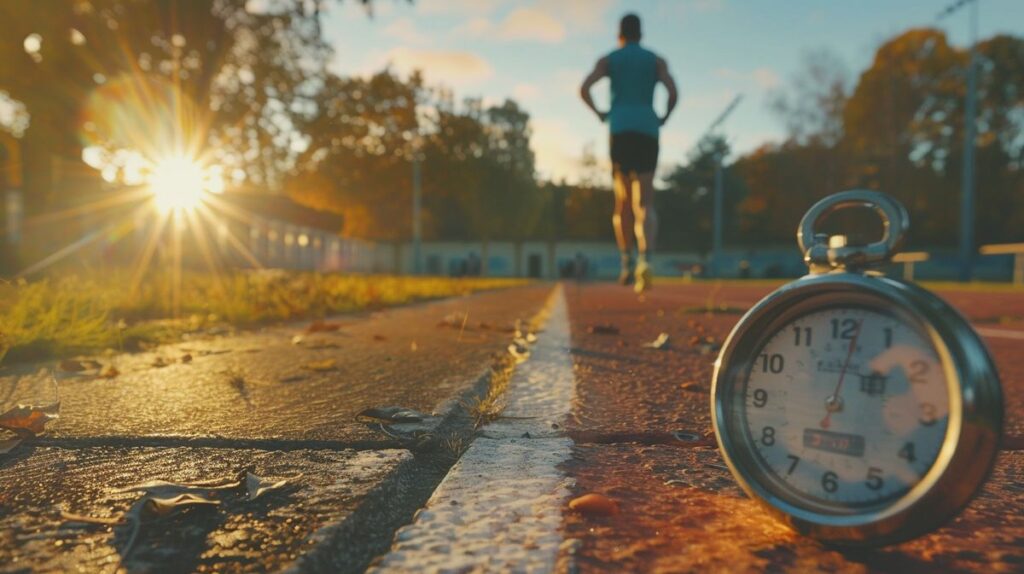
[488,408]
[59,317]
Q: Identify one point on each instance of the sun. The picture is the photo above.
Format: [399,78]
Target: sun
[178,183]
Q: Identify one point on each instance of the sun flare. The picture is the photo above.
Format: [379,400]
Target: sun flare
[180,183]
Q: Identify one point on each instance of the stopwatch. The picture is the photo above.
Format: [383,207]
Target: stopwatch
[858,409]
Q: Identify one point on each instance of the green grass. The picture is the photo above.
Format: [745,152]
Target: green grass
[65,316]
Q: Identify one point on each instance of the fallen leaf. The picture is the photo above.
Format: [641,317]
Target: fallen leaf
[321,366]
[660,343]
[692,386]
[317,345]
[186,358]
[323,327]
[29,419]
[258,486]
[104,521]
[594,505]
[163,488]
[110,372]
[604,329]
[414,347]
[8,444]
[455,320]
[292,378]
[164,506]
[518,352]
[160,362]
[390,415]
[379,338]
[297,339]
[71,366]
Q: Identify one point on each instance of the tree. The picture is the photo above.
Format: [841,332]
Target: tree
[812,106]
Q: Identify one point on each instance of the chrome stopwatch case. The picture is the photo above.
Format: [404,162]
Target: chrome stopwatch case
[858,409]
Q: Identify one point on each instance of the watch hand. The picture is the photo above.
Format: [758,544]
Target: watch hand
[834,398]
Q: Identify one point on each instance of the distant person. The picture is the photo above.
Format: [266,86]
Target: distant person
[634,125]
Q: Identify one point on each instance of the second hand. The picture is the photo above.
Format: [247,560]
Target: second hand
[834,399]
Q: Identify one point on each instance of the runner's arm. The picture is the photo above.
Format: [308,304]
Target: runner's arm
[600,71]
[670,84]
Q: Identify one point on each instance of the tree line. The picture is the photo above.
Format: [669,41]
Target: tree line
[252,92]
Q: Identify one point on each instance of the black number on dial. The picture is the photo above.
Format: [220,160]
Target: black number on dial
[760,398]
[768,436]
[772,363]
[874,480]
[803,336]
[907,452]
[830,481]
[792,466]
[844,329]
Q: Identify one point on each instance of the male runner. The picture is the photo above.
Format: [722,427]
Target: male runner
[634,125]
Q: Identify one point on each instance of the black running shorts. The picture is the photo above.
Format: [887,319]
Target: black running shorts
[634,152]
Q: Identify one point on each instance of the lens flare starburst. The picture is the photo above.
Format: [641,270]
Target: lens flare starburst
[178,183]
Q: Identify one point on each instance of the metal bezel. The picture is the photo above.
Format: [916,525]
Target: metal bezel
[973,430]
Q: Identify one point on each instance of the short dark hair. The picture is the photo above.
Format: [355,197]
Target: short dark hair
[629,27]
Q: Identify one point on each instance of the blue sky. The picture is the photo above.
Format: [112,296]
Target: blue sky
[538,51]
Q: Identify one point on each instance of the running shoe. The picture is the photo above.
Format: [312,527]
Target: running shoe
[626,276]
[643,277]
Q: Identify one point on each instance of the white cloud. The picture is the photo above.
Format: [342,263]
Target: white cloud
[763,78]
[404,30]
[521,24]
[446,66]
[525,92]
[531,24]
[458,6]
[582,15]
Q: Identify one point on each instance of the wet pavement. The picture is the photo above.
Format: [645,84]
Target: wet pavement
[278,403]
[594,409]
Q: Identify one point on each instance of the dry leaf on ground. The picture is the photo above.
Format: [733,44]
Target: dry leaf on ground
[519,353]
[321,366]
[8,444]
[603,329]
[594,505]
[71,366]
[29,419]
[163,488]
[390,415]
[323,327]
[110,372]
[660,343]
[258,486]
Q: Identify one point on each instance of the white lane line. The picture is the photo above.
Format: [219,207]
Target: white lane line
[1000,333]
[500,507]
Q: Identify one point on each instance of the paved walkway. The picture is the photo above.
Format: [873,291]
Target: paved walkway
[590,409]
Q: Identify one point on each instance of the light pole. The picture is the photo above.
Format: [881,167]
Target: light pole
[967,182]
[719,198]
[417,201]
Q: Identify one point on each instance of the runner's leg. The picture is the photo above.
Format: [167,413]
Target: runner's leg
[645,227]
[623,222]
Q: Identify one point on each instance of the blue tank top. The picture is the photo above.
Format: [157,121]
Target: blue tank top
[633,72]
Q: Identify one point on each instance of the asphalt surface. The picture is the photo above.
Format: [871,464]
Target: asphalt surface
[284,401]
[277,403]
[644,439]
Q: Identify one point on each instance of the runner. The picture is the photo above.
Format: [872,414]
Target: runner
[634,125]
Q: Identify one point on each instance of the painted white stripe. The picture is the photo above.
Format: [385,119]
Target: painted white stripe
[1000,333]
[500,507]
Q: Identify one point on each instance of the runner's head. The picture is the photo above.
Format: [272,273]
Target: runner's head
[629,29]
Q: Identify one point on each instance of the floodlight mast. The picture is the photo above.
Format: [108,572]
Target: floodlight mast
[967,181]
[719,198]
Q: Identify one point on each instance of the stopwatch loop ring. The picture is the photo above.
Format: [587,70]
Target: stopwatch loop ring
[823,254]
